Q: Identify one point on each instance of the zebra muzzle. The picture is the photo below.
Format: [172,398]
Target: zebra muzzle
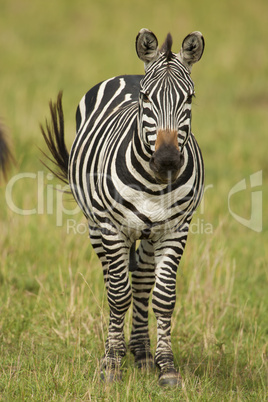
[167,160]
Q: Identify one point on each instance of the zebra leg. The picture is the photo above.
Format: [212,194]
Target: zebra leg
[114,259]
[96,242]
[142,282]
[168,251]
[119,299]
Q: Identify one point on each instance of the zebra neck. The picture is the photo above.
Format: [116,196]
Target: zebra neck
[141,150]
[140,155]
[139,147]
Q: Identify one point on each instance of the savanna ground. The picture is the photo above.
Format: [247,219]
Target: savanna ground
[53,309]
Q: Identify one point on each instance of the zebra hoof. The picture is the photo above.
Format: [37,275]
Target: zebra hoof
[110,376]
[170,379]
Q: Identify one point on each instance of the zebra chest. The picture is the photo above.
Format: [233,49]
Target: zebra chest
[133,210]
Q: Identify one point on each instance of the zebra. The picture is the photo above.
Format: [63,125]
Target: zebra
[6,156]
[136,171]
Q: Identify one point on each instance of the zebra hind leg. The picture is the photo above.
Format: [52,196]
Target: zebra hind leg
[142,283]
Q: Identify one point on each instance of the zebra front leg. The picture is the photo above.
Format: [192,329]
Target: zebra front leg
[119,299]
[168,252]
[96,242]
[142,282]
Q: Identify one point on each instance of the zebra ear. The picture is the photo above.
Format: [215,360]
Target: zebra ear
[147,46]
[192,49]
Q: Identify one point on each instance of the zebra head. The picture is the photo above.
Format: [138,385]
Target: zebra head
[165,100]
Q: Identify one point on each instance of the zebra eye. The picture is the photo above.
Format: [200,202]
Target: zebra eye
[145,98]
[189,99]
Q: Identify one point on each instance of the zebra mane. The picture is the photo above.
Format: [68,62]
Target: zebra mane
[166,47]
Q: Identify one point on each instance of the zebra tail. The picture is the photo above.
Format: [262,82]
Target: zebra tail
[6,156]
[53,134]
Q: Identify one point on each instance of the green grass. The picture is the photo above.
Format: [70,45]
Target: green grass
[53,308]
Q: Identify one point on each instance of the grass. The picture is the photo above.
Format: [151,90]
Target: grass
[53,308]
